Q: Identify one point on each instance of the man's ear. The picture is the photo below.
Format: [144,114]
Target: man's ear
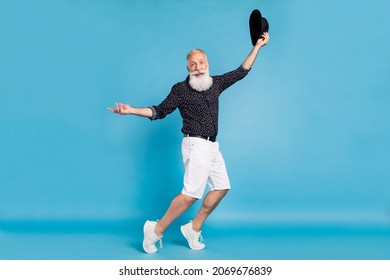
[188,68]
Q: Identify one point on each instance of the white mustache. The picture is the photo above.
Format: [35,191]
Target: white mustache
[198,72]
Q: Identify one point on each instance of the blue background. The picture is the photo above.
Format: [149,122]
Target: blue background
[305,135]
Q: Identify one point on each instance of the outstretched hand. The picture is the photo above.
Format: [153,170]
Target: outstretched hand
[122,109]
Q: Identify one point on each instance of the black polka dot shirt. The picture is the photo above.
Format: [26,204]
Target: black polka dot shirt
[199,110]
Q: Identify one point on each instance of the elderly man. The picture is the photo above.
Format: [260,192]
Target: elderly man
[198,101]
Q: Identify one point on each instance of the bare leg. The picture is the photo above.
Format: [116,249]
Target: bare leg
[178,206]
[212,199]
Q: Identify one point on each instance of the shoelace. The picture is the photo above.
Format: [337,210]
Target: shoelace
[160,241]
[201,238]
[198,237]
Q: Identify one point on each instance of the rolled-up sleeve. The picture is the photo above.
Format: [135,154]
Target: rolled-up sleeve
[154,113]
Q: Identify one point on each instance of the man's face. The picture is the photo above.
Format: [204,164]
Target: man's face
[197,61]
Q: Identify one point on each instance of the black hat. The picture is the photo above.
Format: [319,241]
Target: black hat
[257,25]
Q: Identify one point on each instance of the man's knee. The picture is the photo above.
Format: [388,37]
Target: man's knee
[219,194]
[189,200]
[212,200]
[223,192]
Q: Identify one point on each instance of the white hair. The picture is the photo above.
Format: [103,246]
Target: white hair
[196,50]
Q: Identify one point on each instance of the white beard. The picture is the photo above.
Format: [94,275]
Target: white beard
[203,83]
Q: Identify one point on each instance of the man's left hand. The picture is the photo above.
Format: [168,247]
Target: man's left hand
[263,40]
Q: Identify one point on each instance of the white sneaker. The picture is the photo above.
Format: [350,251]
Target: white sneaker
[150,238]
[194,239]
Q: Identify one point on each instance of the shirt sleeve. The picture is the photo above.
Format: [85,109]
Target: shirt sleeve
[229,78]
[169,104]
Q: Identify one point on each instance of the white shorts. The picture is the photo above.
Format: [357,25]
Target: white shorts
[203,163]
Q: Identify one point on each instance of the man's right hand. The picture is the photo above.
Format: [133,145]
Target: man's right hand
[125,109]
[122,109]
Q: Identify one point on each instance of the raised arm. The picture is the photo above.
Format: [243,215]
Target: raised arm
[263,40]
[125,109]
